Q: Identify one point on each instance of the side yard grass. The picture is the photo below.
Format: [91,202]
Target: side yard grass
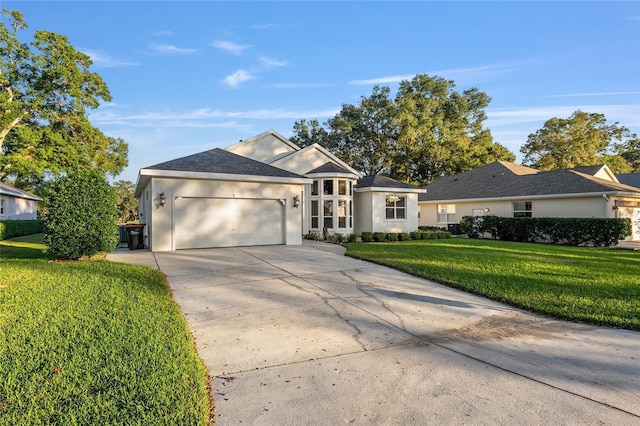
[593,285]
[94,342]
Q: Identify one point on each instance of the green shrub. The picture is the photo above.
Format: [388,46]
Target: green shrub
[367,237]
[415,235]
[392,236]
[19,228]
[83,217]
[426,235]
[338,238]
[430,228]
[352,238]
[571,231]
[311,235]
[378,237]
[403,236]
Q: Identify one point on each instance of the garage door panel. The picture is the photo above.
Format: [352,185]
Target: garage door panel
[227,222]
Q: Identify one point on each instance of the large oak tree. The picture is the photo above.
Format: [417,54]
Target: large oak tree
[584,139]
[428,130]
[46,88]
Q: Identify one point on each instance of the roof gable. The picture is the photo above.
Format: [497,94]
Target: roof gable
[264,146]
[221,161]
[328,167]
[310,158]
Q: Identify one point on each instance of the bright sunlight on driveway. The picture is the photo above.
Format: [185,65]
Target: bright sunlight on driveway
[297,335]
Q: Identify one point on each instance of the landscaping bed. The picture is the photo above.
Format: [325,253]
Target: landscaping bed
[593,285]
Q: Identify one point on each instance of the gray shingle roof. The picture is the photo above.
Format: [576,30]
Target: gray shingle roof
[329,167]
[379,181]
[632,179]
[220,161]
[498,179]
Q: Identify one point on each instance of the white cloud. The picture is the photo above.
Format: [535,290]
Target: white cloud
[170,49]
[104,59]
[237,78]
[459,75]
[270,62]
[230,47]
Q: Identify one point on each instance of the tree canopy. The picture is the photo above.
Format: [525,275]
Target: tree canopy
[584,139]
[46,88]
[126,202]
[428,130]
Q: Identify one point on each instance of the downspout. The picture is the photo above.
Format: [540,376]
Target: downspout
[606,206]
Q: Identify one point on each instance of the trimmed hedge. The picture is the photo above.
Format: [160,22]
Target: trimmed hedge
[367,237]
[569,231]
[83,217]
[18,228]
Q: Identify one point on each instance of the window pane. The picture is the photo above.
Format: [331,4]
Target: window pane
[327,186]
[389,214]
[314,188]
[314,208]
[328,222]
[342,207]
[342,187]
[442,217]
[400,213]
[342,222]
[401,202]
[314,222]
[451,218]
[328,208]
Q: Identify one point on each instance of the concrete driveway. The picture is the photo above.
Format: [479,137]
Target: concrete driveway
[301,335]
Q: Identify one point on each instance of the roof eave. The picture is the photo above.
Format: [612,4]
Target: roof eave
[146,174]
[535,197]
[391,189]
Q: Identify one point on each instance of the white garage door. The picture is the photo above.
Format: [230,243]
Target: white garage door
[227,222]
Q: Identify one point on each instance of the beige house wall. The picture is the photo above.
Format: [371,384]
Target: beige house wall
[596,206]
[160,226]
[302,161]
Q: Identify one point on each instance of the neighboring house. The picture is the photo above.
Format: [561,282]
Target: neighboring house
[632,179]
[510,190]
[16,204]
[265,190]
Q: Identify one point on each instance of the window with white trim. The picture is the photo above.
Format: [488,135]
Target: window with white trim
[2,206]
[327,186]
[523,209]
[314,214]
[446,213]
[328,214]
[342,214]
[314,188]
[396,207]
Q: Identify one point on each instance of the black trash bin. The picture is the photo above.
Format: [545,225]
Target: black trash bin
[454,228]
[135,237]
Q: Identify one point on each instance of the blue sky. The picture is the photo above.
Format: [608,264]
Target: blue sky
[190,76]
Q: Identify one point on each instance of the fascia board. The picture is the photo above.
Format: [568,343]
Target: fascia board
[535,197]
[387,189]
[173,174]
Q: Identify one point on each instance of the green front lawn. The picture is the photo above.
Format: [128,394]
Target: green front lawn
[94,342]
[593,285]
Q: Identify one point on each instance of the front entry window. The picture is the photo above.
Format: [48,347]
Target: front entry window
[328,214]
[342,214]
[314,214]
[327,186]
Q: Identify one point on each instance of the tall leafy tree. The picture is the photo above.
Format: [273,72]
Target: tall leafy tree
[427,131]
[46,88]
[584,139]
[126,202]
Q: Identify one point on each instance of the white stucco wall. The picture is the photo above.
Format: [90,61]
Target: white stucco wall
[370,212]
[18,208]
[160,227]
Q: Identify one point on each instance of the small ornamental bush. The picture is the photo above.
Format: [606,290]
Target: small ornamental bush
[338,237]
[82,216]
[415,235]
[352,238]
[367,237]
[403,236]
[378,237]
[392,236]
